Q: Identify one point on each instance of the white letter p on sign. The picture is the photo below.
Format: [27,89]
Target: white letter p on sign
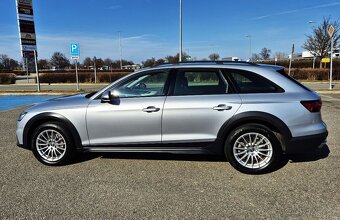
[74,47]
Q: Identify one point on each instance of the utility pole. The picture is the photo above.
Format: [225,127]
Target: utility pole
[121,53]
[180,31]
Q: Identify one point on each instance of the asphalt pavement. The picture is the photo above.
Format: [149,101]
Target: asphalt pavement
[162,186]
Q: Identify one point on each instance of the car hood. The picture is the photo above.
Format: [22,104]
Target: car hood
[64,102]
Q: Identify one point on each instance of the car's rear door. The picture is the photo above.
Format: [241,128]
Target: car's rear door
[199,103]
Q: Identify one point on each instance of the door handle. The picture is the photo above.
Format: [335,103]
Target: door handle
[150,109]
[222,107]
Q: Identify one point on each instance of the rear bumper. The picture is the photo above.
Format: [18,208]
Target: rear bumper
[306,143]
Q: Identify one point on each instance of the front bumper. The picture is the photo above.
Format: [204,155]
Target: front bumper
[306,143]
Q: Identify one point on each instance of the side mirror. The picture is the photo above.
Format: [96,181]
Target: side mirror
[106,97]
[115,95]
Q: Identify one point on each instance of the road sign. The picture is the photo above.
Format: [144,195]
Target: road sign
[28,54]
[25,2]
[25,17]
[331,31]
[26,27]
[27,36]
[325,60]
[74,51]
[29,47]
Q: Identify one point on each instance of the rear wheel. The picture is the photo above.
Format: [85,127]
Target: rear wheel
[253,149]
[51,144]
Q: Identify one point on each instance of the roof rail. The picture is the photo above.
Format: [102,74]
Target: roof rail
[219,62]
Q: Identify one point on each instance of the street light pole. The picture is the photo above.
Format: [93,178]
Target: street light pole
[314,57]
[249,36]
[120,48]
[180,31]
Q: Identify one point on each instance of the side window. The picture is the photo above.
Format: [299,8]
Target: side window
[199,83]
[151,84]
[248,82]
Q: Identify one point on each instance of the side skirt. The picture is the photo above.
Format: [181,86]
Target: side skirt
[174,148]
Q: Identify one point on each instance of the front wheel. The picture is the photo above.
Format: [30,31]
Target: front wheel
[253,149]
[51,144]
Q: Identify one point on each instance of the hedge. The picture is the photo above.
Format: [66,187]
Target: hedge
[16,72]
[7,78]
[84,77]
[313,74]
[106,77]
[301,63]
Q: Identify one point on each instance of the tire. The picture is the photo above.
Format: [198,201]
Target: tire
[253,149]
[52,144]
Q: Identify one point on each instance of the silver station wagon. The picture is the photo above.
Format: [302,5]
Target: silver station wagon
[250,113]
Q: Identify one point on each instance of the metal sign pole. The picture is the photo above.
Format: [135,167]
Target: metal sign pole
[36,69]
[95,69]
[331,66]
[77,75]
[290,61]
[27,69]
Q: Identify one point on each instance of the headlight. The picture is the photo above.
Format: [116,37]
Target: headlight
[22,115]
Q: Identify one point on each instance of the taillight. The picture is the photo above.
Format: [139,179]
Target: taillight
[312,106]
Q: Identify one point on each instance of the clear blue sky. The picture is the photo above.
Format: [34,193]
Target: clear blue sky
[150,27]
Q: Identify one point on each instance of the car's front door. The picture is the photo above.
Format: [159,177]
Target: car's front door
[134,117]
[200,104]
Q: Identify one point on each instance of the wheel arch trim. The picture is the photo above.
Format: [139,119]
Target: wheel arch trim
[266,119]
[46,117]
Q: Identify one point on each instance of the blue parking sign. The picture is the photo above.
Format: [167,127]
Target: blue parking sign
[74,50]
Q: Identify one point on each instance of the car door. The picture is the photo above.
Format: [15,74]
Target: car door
[133,117]
[200,103]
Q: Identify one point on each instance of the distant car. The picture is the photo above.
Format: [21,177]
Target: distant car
[250,113]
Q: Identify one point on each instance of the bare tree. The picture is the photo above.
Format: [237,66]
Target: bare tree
[43,64]
[116,63]
[87,62]
[175,59]
[318,43]
[160,61]
[214,56]
[255,57]
[149,62]
[265,53]
[152,62]
[99,63]
[280,55]
[108,62]
[59,60]
[8,63]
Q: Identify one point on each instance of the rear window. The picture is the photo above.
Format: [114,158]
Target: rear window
[283,73]
[249,82]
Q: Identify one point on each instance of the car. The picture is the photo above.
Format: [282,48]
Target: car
[252,114]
